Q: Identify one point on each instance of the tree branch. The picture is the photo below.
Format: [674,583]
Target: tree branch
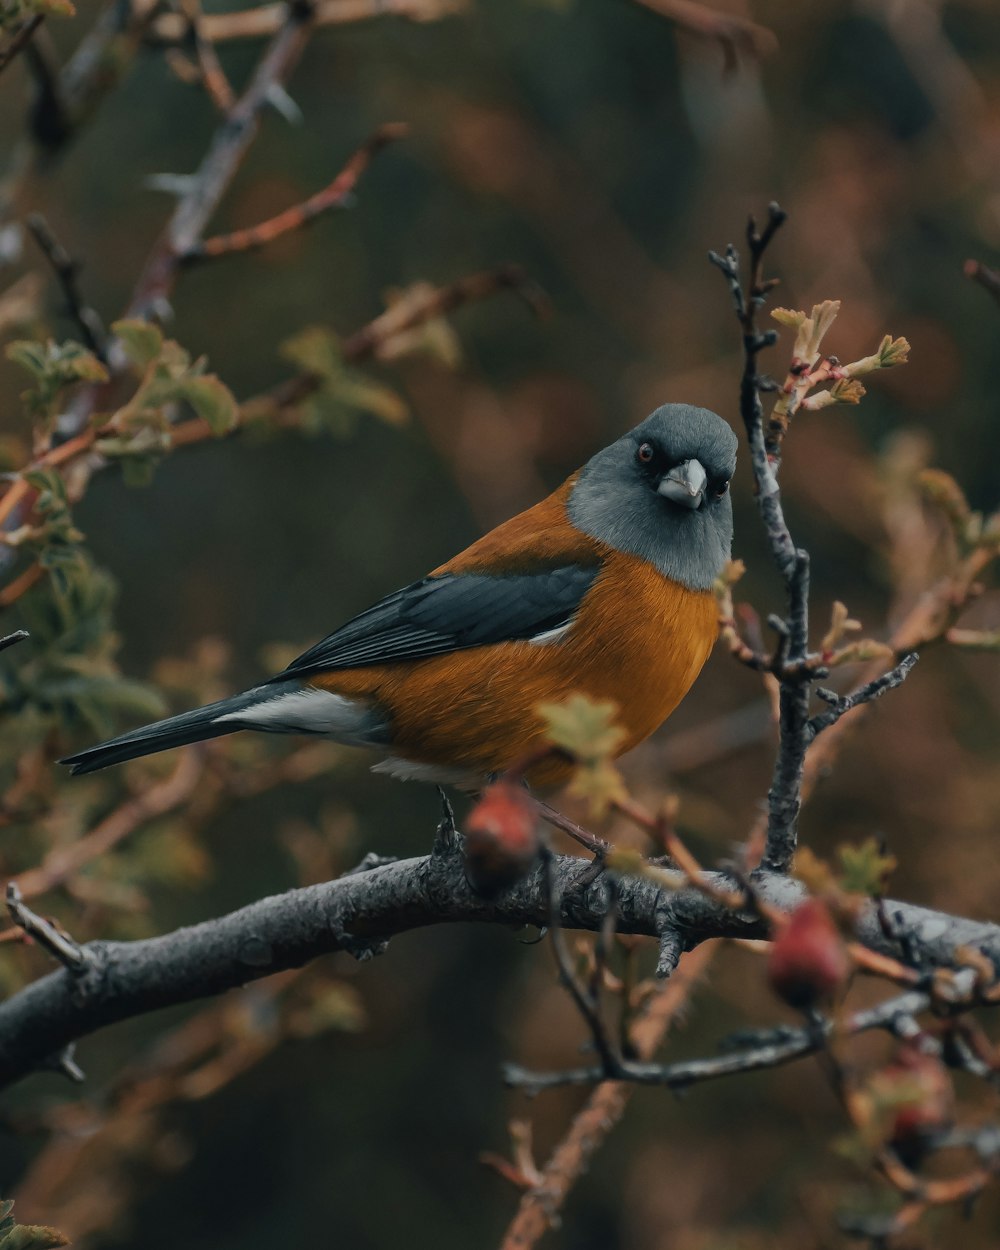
[782,1046]
[360,911]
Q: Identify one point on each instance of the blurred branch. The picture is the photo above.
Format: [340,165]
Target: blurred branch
[359,912]
[336,195]
[734,34]
[256,23]
[539,1207]
[66,270]
[62,862]
[18,39]
[213,76]
[204,189]
[195,207]
[426,304]
[987,278]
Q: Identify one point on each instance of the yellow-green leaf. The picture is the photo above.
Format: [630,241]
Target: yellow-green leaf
[584,727]
[141,340]
[213,401]
[315,349]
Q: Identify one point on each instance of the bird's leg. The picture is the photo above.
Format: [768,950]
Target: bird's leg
[446,838]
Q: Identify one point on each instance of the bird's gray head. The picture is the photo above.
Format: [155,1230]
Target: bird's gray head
[662,492]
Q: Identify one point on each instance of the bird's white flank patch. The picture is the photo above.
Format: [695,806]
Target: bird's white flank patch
[309,711]
[410,770]
[551,635]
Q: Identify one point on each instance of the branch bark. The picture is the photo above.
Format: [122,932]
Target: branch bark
[360,912]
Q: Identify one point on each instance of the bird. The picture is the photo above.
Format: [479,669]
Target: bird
[604,588]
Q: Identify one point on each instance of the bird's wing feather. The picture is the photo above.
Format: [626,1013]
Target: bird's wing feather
[451,612]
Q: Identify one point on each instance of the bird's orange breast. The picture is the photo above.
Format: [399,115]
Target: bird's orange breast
[638,639]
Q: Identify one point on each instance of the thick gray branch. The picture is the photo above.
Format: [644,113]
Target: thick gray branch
[359,911]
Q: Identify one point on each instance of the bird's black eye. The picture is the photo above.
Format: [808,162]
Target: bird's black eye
[645,453]
[721,488]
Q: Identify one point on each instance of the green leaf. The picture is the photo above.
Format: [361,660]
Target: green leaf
[213,401]
[14,1236]
[53,367]
[865,869]
[354,390]
[32,1237]
[28,354]
[316,350]
[141,341]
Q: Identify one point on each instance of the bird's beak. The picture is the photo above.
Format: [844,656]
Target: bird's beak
[685,484]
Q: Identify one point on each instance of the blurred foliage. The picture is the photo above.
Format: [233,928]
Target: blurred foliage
[67,678]
[341,392]
[14,1236]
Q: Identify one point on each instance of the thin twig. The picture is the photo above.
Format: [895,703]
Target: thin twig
[597,845]
[213,76]
[539,1207]
[840,705]
[987,278]
[337,194]
[783,1047]
[60,945]
[438,301]
[19,39]
[66,270]
[588,1003]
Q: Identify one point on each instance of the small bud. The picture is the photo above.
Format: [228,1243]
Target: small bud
[808,963]
[501,838]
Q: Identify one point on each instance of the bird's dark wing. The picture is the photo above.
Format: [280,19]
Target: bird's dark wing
[451,612]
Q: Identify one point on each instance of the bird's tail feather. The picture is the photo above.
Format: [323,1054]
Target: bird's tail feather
[175,731]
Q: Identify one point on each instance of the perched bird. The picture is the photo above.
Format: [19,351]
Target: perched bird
[604,588]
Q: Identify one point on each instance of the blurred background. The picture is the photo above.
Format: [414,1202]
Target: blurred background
[605,150]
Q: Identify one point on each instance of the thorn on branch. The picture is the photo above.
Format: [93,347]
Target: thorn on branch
[64,1061]
[369,861]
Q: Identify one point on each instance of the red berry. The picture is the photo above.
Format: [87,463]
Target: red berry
[808,962]
[918,1087]
[501,837]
